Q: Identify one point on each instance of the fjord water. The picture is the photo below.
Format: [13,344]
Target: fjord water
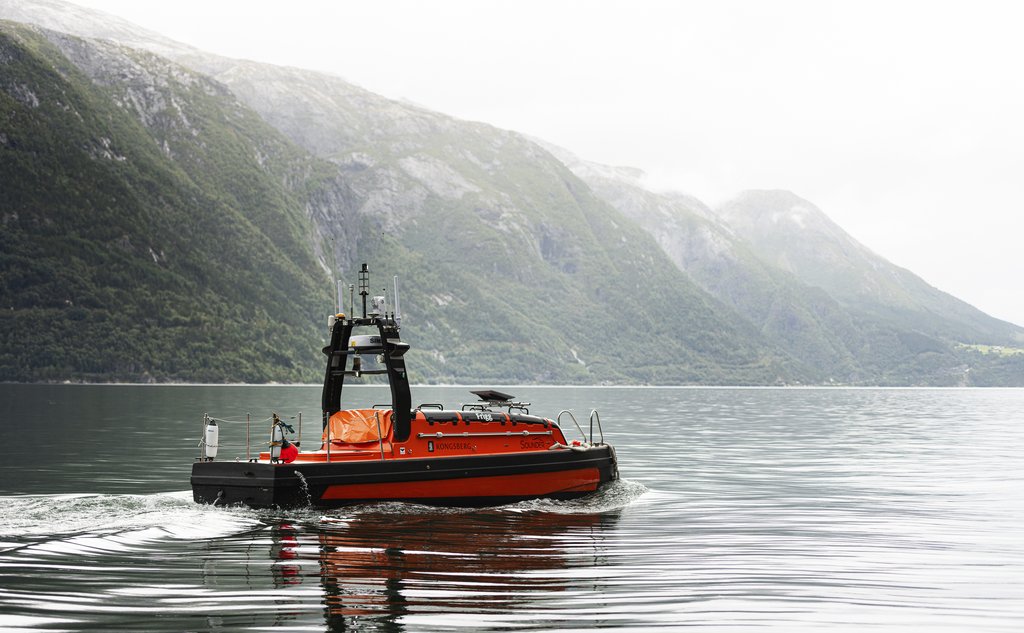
[739,509]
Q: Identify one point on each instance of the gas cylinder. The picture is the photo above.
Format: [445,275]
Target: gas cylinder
[211,439]
[276,438]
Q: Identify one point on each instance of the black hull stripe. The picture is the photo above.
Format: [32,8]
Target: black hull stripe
[262,485]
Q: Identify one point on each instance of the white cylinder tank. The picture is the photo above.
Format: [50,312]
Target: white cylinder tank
[211,439]
[276,435]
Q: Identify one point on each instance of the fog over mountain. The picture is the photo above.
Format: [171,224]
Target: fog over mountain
[206,203]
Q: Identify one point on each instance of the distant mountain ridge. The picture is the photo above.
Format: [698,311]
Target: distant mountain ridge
[809,287]
[781,228]
[520,263]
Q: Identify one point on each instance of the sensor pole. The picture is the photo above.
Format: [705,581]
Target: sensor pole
[364,285]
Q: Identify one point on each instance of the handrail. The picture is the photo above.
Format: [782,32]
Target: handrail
[202,437]
[380,437]
[244,442]
[468,434]
[593,415]
[558,420]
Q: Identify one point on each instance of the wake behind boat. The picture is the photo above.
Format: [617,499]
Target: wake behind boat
[488,452]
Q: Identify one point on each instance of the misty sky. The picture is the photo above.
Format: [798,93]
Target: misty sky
[903,121]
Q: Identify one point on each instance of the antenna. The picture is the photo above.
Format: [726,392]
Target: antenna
[334,254]
[352,299]
[398,307]
[364,285]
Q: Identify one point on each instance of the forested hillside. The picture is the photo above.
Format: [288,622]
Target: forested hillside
[132,251]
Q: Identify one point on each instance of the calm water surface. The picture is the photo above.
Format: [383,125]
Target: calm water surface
[740,509]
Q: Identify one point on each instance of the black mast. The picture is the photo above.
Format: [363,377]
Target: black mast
[391,346]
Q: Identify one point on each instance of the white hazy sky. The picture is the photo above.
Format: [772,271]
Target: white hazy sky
[903,121]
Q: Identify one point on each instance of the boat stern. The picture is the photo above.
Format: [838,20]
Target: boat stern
[258,485]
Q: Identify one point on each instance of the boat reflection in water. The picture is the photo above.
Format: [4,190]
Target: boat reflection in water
[437,568]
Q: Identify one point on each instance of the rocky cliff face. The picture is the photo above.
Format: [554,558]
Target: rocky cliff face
[498,213]
[807,323]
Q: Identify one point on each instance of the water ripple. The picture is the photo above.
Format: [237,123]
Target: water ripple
[792,510]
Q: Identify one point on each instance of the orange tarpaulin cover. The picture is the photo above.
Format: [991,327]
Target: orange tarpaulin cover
[357,426]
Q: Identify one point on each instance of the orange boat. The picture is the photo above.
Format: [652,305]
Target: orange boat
[489,452]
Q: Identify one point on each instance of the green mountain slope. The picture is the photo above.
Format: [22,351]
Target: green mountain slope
[129,250]
[569,289]
[172,234]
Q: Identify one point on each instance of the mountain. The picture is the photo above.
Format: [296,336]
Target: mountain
[65,17]
[847,314]
[182,216]
[804,321]
[492,213]
[794,235]
[125,255]
[181,213]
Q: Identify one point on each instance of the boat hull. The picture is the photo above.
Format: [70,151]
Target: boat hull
[472,480]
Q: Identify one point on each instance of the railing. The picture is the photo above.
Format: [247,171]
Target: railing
[229,447]
[226,449]
[380,436]
[573,418]
[594,416]
[442,434]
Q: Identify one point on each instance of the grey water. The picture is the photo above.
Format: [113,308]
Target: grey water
[738,510]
